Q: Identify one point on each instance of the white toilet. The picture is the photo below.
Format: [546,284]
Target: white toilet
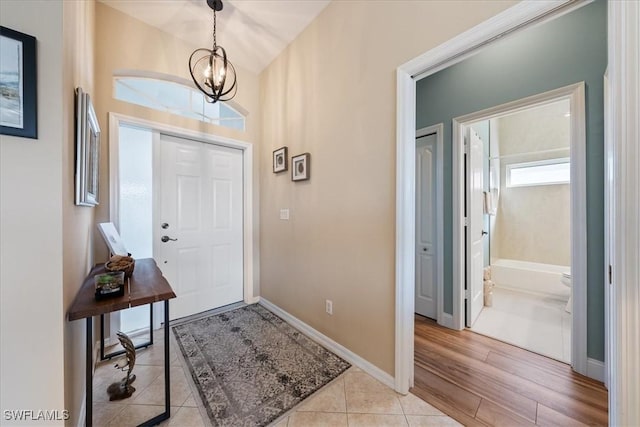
[566,280]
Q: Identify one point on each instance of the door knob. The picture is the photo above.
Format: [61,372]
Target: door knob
[165,239]
[164,225]
[484,233]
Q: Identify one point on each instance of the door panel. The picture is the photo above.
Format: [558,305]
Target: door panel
[188,269]
[200,198]
[475,234]
[221,263]
[426,267]
[188,195]
[426,256]
[224,172]
[222,204]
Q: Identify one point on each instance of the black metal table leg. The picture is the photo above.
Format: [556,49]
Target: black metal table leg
[89,374]
[167,386]
[167,389]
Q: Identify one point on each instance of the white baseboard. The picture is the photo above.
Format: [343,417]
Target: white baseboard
[330,344]
[446,320]
[595,369]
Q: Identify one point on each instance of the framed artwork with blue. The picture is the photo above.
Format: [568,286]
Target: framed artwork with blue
[18,84]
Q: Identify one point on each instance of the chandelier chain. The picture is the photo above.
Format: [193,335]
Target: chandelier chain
[211,71]
[214,29]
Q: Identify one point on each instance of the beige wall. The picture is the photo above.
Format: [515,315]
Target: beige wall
[332,93]
[533,223]
[125,43]
[78,221]
[31,216]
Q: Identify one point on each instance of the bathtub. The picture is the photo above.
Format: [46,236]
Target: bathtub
[543,279]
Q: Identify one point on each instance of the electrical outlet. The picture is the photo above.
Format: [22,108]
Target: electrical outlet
[329,306]
[284,214]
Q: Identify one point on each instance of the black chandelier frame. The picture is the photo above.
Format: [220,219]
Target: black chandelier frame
[202,57]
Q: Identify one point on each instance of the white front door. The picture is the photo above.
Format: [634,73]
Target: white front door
[426,188]
[198,221]
[475,221]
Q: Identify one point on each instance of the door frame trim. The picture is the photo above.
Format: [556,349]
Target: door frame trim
[442,318]
[622,180]
[519,16]
[248,235]
[575,94]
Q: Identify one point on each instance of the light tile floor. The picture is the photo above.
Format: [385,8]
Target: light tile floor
[354,399]
[529,321]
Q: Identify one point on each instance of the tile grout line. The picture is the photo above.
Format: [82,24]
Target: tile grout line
[406,420]
[344,387]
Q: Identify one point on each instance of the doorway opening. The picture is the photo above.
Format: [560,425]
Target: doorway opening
[518,233]
[470,202]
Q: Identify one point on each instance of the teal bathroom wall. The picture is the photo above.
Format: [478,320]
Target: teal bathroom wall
[566,50]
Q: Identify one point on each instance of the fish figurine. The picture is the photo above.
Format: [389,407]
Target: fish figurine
[123,389]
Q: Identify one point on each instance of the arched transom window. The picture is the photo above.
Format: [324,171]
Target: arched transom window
[170,94]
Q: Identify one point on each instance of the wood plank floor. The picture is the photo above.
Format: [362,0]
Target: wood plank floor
[480,381]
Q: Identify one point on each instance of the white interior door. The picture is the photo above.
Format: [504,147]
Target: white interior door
[475,233]
[200,212]
[426,256]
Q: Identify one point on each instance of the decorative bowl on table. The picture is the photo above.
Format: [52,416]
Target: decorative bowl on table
[117,263]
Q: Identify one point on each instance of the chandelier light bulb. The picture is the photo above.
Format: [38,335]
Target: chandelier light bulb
[219,74]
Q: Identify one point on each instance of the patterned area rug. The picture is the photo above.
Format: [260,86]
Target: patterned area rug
[250,366]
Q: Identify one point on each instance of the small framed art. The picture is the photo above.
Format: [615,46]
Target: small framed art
[301,167]
[280,163]
[18,99]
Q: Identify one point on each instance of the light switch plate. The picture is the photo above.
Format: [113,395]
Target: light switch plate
[284,214]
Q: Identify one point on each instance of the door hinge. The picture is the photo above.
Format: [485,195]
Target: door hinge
[610,275]
[467,293]
[465,222]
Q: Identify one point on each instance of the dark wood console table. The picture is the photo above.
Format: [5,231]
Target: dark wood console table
[146,286]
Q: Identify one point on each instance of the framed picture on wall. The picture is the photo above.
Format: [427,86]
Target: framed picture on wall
[18,94]
[280,157]
[87,151]
[301,167]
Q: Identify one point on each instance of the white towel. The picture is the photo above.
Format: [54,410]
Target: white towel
[489,203]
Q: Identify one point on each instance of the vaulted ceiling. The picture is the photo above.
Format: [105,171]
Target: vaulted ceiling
[253,32]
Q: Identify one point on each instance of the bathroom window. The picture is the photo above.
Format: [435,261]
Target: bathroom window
[545,172]
[176,98]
